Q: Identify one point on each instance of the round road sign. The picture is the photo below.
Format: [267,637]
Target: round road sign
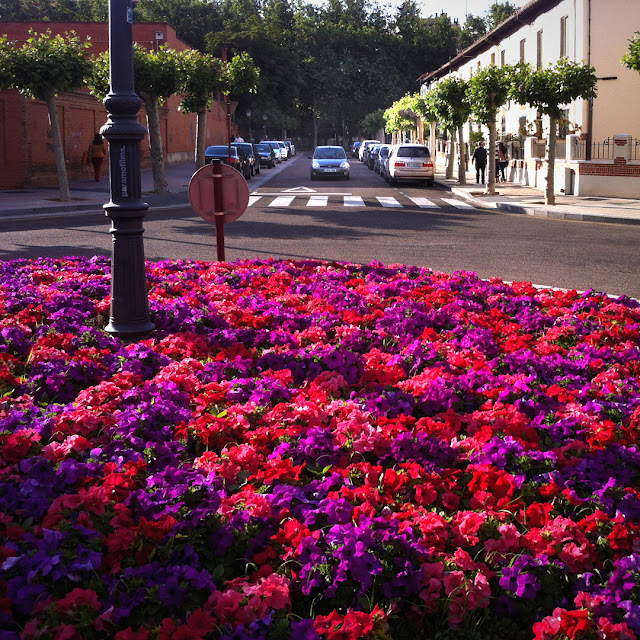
[218,190]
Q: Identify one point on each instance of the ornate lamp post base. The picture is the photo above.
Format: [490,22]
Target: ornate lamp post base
[129,315]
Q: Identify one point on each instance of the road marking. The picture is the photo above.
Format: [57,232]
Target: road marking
[457,204]
[253,200]
[353,201]
[282,201]
[300,190]
[317,201]
[424,203]
[388,201]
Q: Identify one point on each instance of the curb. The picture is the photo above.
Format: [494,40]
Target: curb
[537,212]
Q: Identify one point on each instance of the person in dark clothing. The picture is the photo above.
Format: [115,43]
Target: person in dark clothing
[479,158]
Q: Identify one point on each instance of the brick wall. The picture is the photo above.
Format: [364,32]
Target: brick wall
[616,168]
[26,152]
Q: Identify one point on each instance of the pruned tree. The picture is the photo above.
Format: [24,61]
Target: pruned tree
[488,91]
[450,104]
[155,79]
[548,90]
[199,75]
[403,114]
[41,68]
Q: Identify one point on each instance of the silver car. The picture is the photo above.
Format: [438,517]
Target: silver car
[329,161]
[411,163]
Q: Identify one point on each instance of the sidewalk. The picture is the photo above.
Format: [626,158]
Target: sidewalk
[89,196]
[515,198]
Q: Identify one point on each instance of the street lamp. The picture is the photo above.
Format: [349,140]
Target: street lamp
[129,314]
[264,117]
[249,117]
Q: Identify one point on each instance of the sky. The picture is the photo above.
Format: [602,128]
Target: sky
[457,9]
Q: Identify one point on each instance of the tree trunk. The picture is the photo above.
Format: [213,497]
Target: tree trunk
[452,153]
[160,184]
[63,180]
[491,159]
[201,131]
[550,197]
[462,164]
[314,118]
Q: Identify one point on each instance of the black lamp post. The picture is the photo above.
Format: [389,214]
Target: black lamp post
[129,315]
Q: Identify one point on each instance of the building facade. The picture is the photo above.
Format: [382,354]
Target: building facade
[595,32]
[26,150]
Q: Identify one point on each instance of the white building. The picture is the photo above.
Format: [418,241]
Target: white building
[596,32]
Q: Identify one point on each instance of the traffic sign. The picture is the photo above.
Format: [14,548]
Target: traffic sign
[218,191]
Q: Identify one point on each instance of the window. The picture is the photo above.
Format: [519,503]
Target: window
[539,50]
[564,33]
[522,43]
[493,59]
[502,58]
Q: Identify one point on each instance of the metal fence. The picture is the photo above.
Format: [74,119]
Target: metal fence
[599,150]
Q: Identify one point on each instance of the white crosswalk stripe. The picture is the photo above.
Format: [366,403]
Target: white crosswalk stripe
[457,204]
[423,203]
[317,201]
[282,201]
[388,201]
[356,201]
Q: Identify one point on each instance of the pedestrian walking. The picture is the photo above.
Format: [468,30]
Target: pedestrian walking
[97,154]
[479,159]
[502,160]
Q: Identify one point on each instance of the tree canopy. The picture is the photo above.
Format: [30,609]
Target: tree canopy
[631,59]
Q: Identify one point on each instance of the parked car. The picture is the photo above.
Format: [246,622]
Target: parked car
[411,162]
[283,149]
[254,159]
[277,148]
[382,152]
[266,154]
[364,148]
[238,158]
[372,155]
[290,147]
[329,161]
[384,163]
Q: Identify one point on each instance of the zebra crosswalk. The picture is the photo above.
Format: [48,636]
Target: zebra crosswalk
[312,200]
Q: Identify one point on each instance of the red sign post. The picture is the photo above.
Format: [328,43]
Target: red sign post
[219,194]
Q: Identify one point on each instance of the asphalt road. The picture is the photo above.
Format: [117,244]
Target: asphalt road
[418,226]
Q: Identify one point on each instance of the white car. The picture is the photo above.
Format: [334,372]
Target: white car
[277,149]
[410,162]
[365,147]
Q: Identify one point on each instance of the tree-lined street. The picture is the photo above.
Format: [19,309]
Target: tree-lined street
[290,220]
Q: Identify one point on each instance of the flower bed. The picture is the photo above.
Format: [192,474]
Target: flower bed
[314,450]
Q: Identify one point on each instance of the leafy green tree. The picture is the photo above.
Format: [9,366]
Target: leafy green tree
[41,68]
[497,13]
[450,104]
[403,114]
[54,10]
[192,19]
[372,123]
[155,78]
[199,75]
[474,28]
[547,90]
[489,89]
[631,59]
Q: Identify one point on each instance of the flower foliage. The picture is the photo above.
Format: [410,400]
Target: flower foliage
[311,451]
